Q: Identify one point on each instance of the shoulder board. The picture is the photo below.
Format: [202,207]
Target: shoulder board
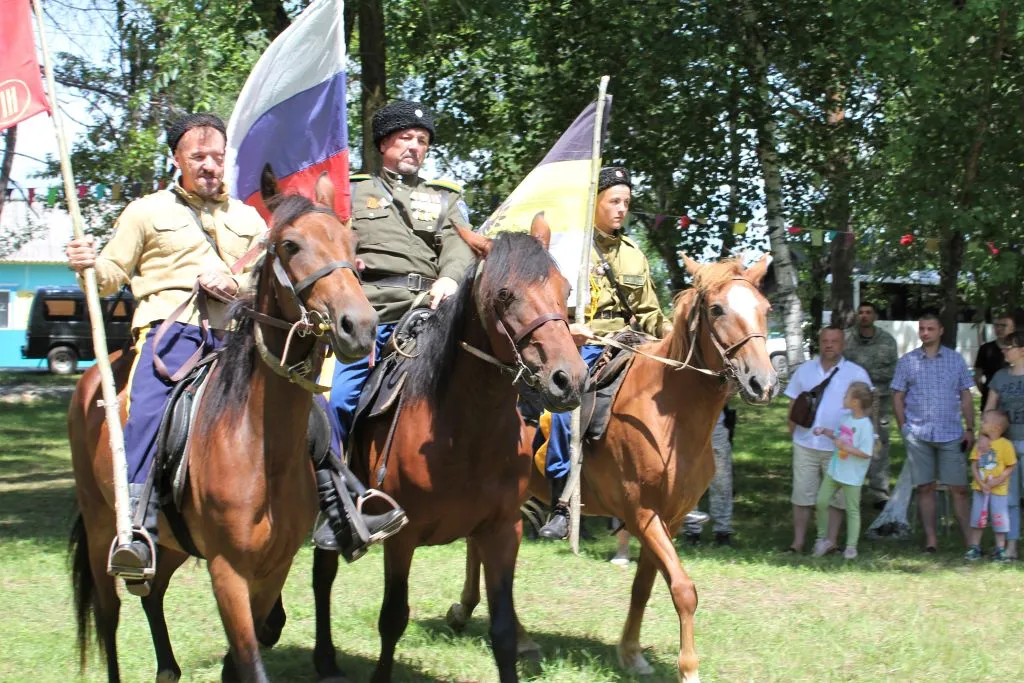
[630,242]
[446,184]
[356,177]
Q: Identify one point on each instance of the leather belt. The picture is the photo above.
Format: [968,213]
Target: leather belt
[609,315]
[414,282]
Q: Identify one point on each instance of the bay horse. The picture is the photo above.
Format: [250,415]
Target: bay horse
[456,463]
[655,460]
[251,498]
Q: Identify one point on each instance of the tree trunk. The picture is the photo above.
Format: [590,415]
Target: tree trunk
[735,158]
[10,138]
[273,17]
[816,302]
[785,270]
[373,60]
[843,250]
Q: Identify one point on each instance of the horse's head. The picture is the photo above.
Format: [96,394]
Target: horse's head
[311,255]
[734,316]
[521,297]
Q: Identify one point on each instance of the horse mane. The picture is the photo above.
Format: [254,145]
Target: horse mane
[237,359]
[515,262]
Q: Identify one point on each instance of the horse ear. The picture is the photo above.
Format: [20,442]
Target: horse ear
[756,272]
[691,266]
[324,191]
[268,184]
[480,245]
[540,230]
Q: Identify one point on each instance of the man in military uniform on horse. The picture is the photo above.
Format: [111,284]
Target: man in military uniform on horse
[622,296]
[162,245]
[410,247]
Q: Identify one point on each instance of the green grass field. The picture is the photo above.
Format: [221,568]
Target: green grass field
[893,615]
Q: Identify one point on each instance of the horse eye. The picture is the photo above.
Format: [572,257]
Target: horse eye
[717,311]
[290,248]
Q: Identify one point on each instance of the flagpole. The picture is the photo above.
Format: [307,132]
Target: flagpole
[92,298]
[582,289]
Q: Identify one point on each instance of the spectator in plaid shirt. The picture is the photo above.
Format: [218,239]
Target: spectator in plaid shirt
[931,391]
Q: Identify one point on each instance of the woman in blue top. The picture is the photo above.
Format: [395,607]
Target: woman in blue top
[854,441]
[1006,393]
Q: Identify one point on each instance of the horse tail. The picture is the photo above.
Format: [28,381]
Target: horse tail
[83,584]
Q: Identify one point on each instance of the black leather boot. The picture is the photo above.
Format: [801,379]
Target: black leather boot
[135,562]
[557,528]
[344,528]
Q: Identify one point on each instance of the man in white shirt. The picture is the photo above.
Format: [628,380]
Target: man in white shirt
[811,454]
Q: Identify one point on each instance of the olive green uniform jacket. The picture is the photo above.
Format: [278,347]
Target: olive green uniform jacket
[406,231]
[606,313]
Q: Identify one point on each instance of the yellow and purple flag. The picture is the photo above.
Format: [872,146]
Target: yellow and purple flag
[560,187]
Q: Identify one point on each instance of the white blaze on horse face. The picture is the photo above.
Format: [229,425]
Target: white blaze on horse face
[743,302]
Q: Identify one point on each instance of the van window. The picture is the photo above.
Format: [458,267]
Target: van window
[121,313]
[62,309]
[5,304]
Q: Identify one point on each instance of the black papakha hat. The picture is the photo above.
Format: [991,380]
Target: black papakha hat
[178,128]
[400,115]
[611,176]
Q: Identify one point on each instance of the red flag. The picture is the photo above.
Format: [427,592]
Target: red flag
[21,86]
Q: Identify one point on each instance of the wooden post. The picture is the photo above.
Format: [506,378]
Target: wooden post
[122,513]
[582,288]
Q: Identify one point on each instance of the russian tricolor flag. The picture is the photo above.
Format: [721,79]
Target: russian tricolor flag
[291,112]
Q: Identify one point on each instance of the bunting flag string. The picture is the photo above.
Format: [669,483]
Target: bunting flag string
[99,192]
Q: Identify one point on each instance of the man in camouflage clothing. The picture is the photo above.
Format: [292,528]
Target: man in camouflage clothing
[874,350]
[409,245]
[621,295]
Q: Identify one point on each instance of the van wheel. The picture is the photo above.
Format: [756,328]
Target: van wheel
[781,365]
[62,360]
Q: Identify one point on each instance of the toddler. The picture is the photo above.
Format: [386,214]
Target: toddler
[854,441]
[992,462]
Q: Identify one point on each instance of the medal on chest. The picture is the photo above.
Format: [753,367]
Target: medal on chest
[424,206]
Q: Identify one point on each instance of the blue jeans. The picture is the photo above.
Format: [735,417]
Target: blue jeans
[348,384]
[557,463]
[149,392]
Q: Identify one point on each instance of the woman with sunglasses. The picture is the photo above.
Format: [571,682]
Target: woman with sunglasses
[1006,393]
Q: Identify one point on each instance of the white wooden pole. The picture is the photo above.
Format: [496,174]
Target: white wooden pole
[582,289]
[122,513]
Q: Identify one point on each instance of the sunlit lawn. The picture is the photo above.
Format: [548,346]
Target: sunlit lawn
[894,614]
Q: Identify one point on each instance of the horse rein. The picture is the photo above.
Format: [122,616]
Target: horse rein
[697,314]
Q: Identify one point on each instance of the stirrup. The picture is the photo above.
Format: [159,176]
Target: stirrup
[129,573]
[392,528]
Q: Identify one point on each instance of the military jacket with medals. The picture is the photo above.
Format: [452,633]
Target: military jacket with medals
[606,313]
[407,237]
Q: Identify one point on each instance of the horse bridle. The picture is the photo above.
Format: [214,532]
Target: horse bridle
[310,322]
[698,314]
[518,369]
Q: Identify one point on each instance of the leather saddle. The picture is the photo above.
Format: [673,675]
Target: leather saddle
[173,440]
[606,378]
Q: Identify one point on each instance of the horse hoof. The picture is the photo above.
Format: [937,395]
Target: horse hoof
[634,663]
[167,676]
[457,618]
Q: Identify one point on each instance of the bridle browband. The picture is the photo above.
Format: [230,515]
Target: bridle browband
[310,322]
[698,314]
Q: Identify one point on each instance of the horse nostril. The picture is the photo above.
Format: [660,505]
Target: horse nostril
[346,325]
[755,386]
[560,378]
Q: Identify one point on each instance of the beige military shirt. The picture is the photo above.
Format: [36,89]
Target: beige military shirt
[160,248]
[606,313]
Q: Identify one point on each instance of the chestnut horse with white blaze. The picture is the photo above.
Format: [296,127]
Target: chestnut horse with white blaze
[251,498]
[655,460]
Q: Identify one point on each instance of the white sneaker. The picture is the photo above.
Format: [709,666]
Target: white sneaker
[620,560]
[821,546]
[850,553]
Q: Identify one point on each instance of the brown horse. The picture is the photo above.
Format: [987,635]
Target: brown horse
[655,461]
[251,498]
[456,462]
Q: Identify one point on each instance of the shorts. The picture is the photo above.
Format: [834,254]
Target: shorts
[930,458]
[809,466]
[996,514]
